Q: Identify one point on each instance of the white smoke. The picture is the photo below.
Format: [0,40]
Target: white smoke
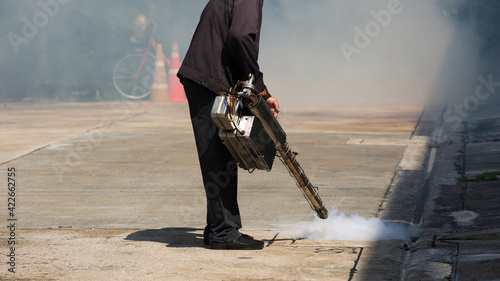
[336,52]
[338,226]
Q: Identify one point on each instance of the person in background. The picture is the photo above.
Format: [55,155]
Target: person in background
[224,49]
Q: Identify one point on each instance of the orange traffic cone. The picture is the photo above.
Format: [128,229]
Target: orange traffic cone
[159,91]
[175,89]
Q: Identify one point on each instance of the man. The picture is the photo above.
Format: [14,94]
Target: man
[223,50]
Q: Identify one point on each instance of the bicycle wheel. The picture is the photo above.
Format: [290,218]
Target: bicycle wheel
[127,82]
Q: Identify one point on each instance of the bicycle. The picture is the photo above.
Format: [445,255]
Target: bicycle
[133,73]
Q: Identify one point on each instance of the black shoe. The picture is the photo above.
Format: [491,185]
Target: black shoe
[206,235]
[244,242]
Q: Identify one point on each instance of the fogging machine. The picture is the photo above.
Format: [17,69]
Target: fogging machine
[254,137]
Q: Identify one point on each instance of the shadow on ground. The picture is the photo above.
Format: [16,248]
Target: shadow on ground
[177,237]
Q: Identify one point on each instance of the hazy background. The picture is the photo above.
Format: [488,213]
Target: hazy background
[428,48]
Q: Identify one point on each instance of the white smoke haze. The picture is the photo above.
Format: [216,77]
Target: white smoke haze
[394,55]
[338,226]
[314,54]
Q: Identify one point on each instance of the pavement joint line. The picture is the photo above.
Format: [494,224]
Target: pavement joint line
[430,163]
[418,122]
[419,200]
[25,154]
[455,262]
[399,168]
[75,135]
[388,190]
[354,269]
[384,141]
[404,265]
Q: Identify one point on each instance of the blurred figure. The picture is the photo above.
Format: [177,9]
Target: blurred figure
[138,28]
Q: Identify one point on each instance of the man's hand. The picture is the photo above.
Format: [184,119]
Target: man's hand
[273,105]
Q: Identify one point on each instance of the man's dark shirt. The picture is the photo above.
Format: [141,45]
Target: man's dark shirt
[225,45]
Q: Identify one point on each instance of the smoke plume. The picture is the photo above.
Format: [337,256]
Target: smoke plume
[338,226]
[314,54]
[322,54]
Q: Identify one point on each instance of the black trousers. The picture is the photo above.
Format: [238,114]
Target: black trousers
[218,168]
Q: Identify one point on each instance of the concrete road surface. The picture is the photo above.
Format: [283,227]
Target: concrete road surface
[112,191]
